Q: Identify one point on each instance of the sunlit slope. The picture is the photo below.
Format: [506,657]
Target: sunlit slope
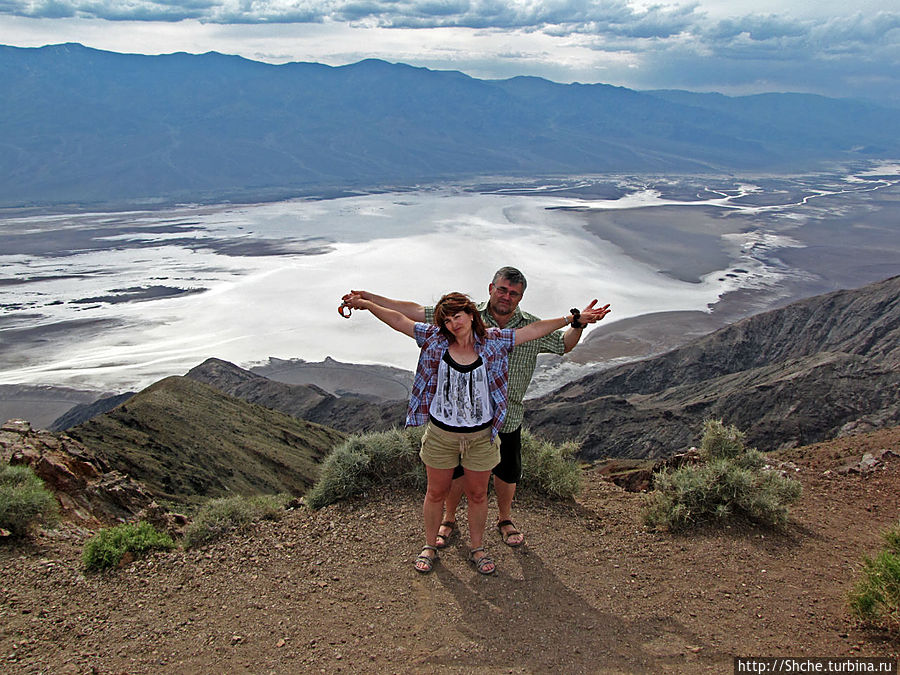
[187,441]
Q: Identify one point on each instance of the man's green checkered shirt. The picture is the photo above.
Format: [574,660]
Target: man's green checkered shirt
[522,360]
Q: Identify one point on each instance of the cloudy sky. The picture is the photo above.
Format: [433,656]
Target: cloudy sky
[844,48]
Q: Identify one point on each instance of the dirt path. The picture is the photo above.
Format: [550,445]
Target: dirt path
[592,592]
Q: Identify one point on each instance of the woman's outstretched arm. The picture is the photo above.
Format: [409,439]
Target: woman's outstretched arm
[391,317]
[412,310]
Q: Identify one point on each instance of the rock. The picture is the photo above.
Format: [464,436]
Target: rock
[16,426]
[868,463]
[88,492]
[637,480]
[640,478]
[163,519]
[783,468]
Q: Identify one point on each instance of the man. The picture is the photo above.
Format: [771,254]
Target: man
[502,310]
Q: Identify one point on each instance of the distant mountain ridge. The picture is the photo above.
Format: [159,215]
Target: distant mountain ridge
[807,372]
[348,413]
[84,126]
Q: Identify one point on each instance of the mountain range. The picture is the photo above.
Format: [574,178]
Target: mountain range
[83,126]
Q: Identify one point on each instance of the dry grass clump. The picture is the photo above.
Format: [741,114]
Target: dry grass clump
[549,469]
[107,548]
[730,481]
[876,596]
[225,515]
[367,461]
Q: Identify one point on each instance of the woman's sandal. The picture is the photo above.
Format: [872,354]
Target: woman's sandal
[444,540]
[482,562]
[427,561]
[509,533]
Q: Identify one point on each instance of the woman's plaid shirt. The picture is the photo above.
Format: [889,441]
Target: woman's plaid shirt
[494,350]
[522,360]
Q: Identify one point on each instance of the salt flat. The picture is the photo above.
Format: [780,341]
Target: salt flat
[115,301]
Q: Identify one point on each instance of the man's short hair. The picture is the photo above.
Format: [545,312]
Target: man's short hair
[512,275]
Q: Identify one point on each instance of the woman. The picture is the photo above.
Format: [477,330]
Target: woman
[459,393]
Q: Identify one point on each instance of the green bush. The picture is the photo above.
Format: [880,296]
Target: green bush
[24,501]
[219,517]
[391,459]
[721,442]
[876,596]
[549,469]
[367,461]
[106,548]
[730,481]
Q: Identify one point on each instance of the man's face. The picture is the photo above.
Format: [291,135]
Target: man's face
[504,296]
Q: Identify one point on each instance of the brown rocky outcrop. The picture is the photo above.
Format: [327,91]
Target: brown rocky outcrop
[637,476]
[88,490]
[870,461]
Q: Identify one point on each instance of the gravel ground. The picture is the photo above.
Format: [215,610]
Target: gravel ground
[591,592]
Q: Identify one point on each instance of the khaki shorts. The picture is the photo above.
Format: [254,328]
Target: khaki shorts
[443,449]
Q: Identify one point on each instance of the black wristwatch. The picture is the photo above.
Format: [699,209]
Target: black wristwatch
[575,316]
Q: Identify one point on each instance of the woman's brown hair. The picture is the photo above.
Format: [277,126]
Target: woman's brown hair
[452,303]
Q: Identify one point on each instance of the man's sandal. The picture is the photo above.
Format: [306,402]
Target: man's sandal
[444,540]
[482,562]
[426,561]
[509,533]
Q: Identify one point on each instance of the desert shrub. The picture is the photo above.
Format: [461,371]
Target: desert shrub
[548,468]
[106,548]
[875,597]
[730,481]
[721,442]
[219,517]
[367,461]
[391,459]
[24,501]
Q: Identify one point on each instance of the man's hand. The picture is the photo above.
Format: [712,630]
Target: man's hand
[590,314]
[593,314]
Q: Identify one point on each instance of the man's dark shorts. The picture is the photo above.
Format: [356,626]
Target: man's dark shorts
[509,470]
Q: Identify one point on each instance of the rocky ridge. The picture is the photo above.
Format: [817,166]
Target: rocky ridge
[90,493]
[792,376]
[188,442]
[347,413]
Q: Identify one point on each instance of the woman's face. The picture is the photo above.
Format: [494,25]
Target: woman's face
[459,324]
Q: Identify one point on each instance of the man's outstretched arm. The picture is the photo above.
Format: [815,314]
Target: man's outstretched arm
[410,310]
[589,314]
